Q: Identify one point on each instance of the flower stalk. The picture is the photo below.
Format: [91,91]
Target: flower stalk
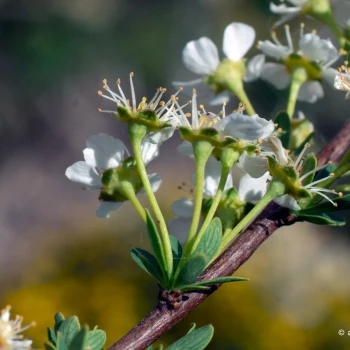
[228,158]
[238,89]
[136,134]
[202,151]
[299,77]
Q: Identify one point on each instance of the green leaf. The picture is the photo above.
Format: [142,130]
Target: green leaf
[283,121]
[322,219]
[147,262]
[301,147]
[59,318]
[193,287]
[193,327]
[155,241]
[49,346]
[69,328]
[345,160]
[224,279]
[343,203]
[198,339]
[79,341]
[342,188]
[61,343]
[51,336]
[96,339]
[310,164]
[177,250]
[210,241]
[191,269]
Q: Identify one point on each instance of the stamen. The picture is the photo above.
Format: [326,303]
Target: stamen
[194,110]
[324,196]
[288,37]
[133,97]
[302,26]
[105,111]
[315,170]
[223,109]
[274,38]
[321,180]
[122,98]
[203,109]
[307,145]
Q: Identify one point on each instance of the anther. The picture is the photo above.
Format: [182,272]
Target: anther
[100,92]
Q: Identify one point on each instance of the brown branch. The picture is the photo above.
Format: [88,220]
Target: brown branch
[166,314]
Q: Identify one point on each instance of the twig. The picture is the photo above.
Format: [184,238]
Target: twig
[165,315]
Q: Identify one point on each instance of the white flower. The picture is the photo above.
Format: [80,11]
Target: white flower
[342,79]
[235,125]
[288,12]
[299,7]
[104,152]
[164,110]
[257,166]
[10,332]
[312,50]
[201,56]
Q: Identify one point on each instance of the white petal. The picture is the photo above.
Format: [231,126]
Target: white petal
[240,126]
[201,56]
[193,83]
[84,174]
[179,228]
[155,181]
[287,201]
[310,91]
[103,151]
[219,99]
[347,95]
[317,49]
[276,74]
[255,166]
[255,67]
[270,49]
[186,149]
[212,177]
[252,189]
[149,150]
[183,207]
[238,39]
[329,74]
[273,144]
[283,9]
[160,136]
[106,207]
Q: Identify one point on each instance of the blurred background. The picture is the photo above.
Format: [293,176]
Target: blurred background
[55,255]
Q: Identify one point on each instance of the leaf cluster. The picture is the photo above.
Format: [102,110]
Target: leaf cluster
[186,270]
[67,334]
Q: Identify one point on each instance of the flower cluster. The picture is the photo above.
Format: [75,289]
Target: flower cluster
[268,157]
